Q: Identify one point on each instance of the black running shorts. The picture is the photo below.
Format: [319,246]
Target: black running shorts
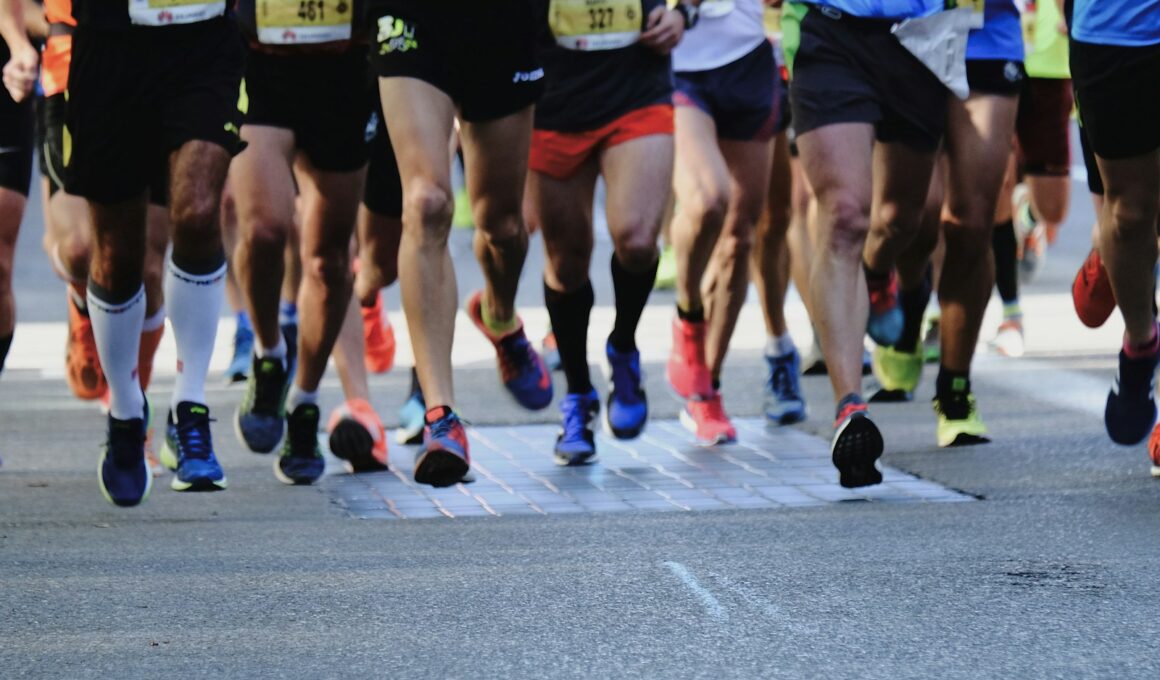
[384,189]
[481,54]
[1118,91]
[138,94]
[999,77]
[17,138]
[322,98]
[852,70]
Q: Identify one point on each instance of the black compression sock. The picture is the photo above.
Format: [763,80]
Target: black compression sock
[950,383]
[913,304]
[5,345]
[569,314]
[692,316]
[1006,268]
[631,290]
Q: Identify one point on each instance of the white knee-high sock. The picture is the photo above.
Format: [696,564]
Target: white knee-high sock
[194,302]
[117,330]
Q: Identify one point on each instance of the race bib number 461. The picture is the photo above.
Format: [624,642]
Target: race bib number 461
[290,22]
[167,12]
[590,25]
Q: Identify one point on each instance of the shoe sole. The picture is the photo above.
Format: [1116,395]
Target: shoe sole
[855,452]
[885,396]
[291,481]
[439,468]
[965,439]
[574,460]
[199,485]
[242,437]
[167,457]
[1155,470]
[109,497]
[784,419]
[351,442]
[691,426]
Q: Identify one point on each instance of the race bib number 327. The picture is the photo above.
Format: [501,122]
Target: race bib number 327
[590,25]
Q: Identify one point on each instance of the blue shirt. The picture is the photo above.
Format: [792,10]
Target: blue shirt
[1001,36]
[884,9]
[1131,23]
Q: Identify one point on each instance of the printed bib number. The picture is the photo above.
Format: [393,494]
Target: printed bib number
[292,22]
[591,25]
[977,8]
[167,12]
[714,9]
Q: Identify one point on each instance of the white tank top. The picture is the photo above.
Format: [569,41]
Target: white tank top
[727,31]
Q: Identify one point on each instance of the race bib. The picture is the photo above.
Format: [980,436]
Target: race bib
[167,12]
[976,6]
[713,9]
[591,25]
[294,22]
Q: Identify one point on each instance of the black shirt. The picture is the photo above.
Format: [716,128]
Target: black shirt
[110,13]
[585,90]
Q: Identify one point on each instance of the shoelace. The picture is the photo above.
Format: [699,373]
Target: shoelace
[626,380]
[954,407]
[442,428]
[268,391]
[193,438]
[780,381]
[125,446]
[575,418]
[514,356]
[303,438]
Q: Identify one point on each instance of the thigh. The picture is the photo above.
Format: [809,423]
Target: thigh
[563,209]
[263,187]
[902,175]
[978,144]
[837,162]
[330,203]
[420,119]
[197,175]
[699,168]
[495,155]
[638,175]
[749,164]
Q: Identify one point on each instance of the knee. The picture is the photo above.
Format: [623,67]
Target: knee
[430,206]
[74,252]
[1131,218]
[266,236]
[499,221]
[848,222]
[710,202]
[894,220]
[566,270]
[636,247]
[198,218]
[330,267]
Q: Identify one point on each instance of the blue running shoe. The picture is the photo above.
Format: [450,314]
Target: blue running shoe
[188,440]
[522,370]
[576,443]
[239,368]
[260,420]
[886,320]
[1131,407]
[301,461]
[784,404]
[443,459]
[123,473]
[627,410]
[411,422]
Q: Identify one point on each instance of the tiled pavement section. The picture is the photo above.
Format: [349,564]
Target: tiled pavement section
[662,470]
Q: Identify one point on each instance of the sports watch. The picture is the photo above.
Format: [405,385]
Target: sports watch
[689,12]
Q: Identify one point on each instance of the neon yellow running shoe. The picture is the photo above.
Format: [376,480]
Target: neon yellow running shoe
[897,371]
[959,423]
[462,217]
[666,270]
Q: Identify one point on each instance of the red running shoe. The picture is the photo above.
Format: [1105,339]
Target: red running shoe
[1091,292]
[687,371]
[378,338]
[705,417]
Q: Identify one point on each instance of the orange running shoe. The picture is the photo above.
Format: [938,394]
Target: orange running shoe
[83,370]
[357,436]
[1091,292]
[686,370]
[705,417]
[378,338]
[1154,450]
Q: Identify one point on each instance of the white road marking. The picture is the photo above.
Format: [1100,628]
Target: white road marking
[755,599]
[712,606]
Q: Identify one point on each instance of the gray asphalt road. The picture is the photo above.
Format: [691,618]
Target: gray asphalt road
[1048,576]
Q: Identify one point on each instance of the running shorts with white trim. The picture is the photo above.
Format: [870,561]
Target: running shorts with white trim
[480,54]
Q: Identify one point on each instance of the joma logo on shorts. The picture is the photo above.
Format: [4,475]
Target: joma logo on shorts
[396,35]
[528,76]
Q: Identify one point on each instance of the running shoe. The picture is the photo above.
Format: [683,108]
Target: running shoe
[784,404]
[239,368]
[1154,450]
[576,443]
[290,333]
[1091,292]
[897,372]
[189,444]
[1131,407]
[260,420]
[357,436]
[959,423]
[522,371]
[1008,340]
[300,462]
[686,370]
[462,217]
[666,278]
[378,338]
[627,410]
[443,459]
[857,445]
[886,321]
[814,363]
[411,421]
[156,467]
[550,352]
[931,339]
[705,417]
[1034,253]
[82,364]
[123,474]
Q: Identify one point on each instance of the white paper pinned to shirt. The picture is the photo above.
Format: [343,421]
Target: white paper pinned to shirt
[939,41]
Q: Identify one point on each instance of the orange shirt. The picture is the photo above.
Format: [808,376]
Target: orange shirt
[57,49]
